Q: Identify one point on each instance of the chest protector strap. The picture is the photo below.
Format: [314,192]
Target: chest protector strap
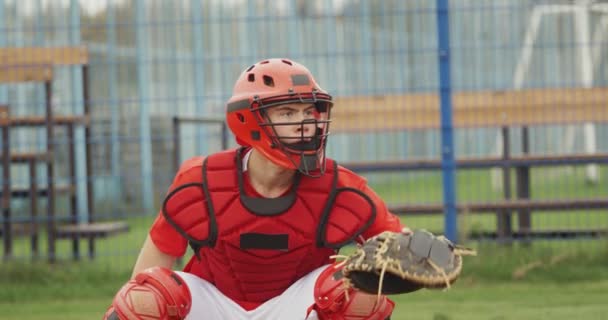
[345,205]
[185,208]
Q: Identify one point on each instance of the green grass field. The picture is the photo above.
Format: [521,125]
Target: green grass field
[566,284]
[487,302]
[547,280]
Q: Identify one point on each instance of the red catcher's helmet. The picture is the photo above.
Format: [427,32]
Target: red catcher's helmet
[271,83]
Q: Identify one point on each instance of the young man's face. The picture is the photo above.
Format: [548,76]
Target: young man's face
[298,122]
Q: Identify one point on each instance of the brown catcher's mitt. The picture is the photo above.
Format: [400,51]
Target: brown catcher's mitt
[393,263]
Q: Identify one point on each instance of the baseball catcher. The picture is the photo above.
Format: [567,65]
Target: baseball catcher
[265,221]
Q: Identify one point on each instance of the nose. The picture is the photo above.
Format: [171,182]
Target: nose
[306,125]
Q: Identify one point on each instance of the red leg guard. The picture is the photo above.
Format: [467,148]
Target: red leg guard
[333,300]
[156,293]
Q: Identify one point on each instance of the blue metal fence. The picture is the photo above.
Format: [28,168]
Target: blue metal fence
[152,60]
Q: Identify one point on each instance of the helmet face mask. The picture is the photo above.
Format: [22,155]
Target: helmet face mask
[304,139]
[264,114]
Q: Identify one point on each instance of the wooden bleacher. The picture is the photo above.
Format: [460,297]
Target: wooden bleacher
[471,109]
[26,73]
[502,110]
[57,56]
[37,64]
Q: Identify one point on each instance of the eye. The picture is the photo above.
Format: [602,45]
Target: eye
[286,113]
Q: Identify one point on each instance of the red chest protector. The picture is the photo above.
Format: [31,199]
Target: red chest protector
[252,249]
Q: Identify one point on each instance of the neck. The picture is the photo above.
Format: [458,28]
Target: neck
[267,178]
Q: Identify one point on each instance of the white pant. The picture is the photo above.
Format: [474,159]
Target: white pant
[209,303]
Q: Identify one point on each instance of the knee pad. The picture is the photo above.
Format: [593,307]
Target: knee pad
[334,299]
[155,293]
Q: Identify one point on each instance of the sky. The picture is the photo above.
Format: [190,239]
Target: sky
[90,6]
[94,6]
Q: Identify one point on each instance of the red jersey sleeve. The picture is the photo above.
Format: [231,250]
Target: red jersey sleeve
[164,236]
[385,220]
